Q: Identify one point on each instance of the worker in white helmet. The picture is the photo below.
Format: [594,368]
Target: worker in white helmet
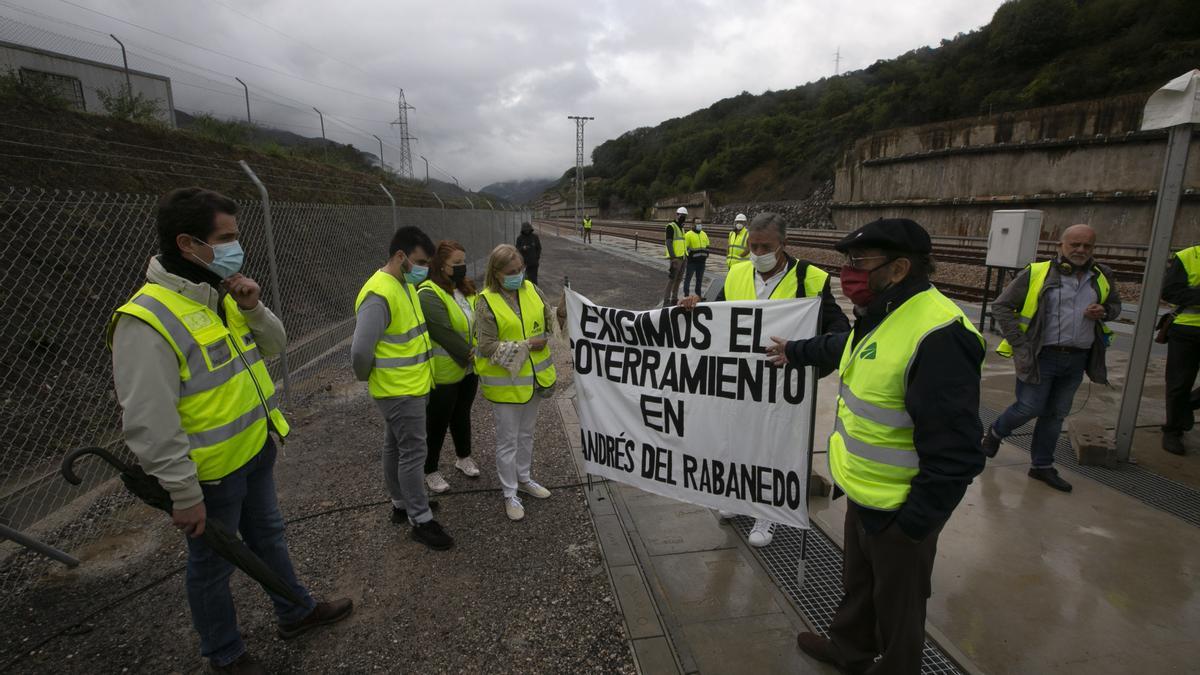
[737,250]
[676,253]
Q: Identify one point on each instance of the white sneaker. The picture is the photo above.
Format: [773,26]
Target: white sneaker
[436,483]
[467,466]
[762,533]
[512,507]
[534,490]
[726,515]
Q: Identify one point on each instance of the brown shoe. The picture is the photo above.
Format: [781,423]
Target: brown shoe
[323,614]
[243,665]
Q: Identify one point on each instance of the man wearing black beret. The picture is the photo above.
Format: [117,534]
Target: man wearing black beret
[905,445]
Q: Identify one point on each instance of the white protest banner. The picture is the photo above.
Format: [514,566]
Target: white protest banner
[685,404]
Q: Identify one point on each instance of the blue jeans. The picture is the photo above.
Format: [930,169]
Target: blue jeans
[243,501]
[1049,401]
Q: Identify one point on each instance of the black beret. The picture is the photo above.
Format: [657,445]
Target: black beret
[894,234]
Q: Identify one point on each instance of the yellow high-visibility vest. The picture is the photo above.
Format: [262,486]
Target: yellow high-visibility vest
[587,223]
[871,452]
[739,283]
[738,250]
[226,397]
[445,369]
[1037,279]
[496,383]
[1190,259]
[676,246]
[695,241]
[402,355]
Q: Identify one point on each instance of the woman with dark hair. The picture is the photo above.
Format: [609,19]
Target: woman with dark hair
[448,302]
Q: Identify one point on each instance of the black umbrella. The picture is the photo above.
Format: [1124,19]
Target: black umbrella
[227,544]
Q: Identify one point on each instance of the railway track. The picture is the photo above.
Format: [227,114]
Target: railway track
[650,234]
[1126,266]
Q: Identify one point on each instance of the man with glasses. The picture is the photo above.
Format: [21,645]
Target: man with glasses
[905,444]
[774,275]
[1052,318]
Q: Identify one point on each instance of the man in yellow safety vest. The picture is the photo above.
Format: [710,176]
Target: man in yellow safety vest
[676,254]
[737,251]
[200,412]
[1181,287]
[904,445]
[774,275]
[1052,318]
[391,350]
[587,229]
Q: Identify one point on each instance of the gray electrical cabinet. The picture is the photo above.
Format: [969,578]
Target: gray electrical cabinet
[1013,238]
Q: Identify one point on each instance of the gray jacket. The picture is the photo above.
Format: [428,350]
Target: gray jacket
[146,374]
[1026,346]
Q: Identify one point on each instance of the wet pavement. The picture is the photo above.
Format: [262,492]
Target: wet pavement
[1027,579]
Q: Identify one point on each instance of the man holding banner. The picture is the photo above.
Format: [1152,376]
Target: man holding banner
[905,445]
[774,275]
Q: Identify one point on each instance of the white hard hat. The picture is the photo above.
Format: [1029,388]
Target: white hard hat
[682,211]
[741,218]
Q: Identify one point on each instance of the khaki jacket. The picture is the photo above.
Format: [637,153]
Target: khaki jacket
[146,374]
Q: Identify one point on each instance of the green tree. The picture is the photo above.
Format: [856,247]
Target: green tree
[134,107]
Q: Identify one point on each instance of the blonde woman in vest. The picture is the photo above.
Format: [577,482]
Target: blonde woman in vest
[391,351]
[774,275]
[200,413]
[448,302]
[515,368]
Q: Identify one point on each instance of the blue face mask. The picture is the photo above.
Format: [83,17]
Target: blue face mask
[227,258]
[417,274]
[513,281]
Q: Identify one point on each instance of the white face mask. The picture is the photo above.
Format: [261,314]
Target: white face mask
[738,225]
[764,263]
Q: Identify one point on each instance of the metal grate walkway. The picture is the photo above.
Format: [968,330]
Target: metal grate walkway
[1146,486]
[818,595]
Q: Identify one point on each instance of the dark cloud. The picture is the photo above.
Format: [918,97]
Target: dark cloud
[493,82]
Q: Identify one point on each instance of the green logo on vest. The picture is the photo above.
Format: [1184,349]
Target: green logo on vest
[868,352]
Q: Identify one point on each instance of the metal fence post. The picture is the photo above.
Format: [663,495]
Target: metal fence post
[435,196]
[273,268]
[469,201]
[395,226]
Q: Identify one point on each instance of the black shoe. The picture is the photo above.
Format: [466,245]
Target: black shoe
[432,535]
[1050,477]
[1173,443]
[243,665]
[400,516]
[990,443]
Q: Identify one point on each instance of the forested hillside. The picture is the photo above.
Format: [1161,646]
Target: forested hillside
[780,143]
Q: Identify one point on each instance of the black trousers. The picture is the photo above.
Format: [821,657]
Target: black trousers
[886,579]
[449,408]
[531,272]
[1183,362]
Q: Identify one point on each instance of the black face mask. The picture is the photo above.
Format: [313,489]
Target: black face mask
[458,273]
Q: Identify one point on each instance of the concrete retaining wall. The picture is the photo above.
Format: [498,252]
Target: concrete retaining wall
[1083,162]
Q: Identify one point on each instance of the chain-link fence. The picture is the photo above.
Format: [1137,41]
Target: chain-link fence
[68,259]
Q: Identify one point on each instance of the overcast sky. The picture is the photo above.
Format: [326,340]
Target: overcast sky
[492,81]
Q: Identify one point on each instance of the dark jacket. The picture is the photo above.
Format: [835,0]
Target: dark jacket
[833,319]
[942,399]
[530,247]
[1175,285]
[1027,345]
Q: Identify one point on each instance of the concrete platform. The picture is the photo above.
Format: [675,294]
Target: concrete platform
[1028,580]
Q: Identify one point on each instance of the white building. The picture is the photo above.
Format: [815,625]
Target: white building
[77,80]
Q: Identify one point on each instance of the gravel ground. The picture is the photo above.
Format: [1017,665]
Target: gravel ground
[522,597]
